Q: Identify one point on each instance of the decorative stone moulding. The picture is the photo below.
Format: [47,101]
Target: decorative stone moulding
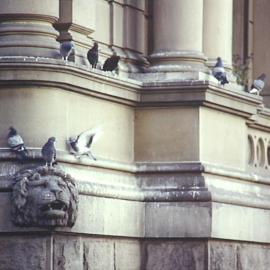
[173,61]
[25,36]
[26,28]
[258,152]
[45,197]
[76,22]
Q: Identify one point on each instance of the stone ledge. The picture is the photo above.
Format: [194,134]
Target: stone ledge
[134,92]
[185,181]
[145,168]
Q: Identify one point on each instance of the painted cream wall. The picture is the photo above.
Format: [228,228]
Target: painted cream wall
[223,138]
[42,112]
[167,134]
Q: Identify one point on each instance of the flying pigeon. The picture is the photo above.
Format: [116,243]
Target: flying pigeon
[81,145]
[92,55]
[66,48]
[16,143]
[258,84]
[111,63]
[48,152]
[219,72]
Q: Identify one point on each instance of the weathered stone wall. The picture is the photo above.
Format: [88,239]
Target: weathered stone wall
[65,252]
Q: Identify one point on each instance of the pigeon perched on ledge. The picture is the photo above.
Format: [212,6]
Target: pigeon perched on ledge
[48,152]
[111,63]
[81,145]
[92,55]
[16,143]
[219,72]
[258,85]
[66,48]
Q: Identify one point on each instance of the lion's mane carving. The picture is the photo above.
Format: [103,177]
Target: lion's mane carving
[44,197]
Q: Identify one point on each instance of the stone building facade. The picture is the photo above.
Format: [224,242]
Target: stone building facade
[181,179]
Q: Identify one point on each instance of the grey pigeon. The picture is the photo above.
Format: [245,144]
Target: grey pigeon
[92,55]
[111,63]
[16,143]
[219,72]
[66,48]
[81,145]
[48,152]
[258,84]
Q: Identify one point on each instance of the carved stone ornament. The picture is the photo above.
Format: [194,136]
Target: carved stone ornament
[44,197]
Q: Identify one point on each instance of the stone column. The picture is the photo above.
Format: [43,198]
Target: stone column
[76,22]
[177,36]
[26,28]
[217,31]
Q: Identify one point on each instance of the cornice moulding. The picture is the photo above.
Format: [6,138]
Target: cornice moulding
[82,79]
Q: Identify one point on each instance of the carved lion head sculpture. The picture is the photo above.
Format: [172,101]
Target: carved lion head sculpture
[44,197]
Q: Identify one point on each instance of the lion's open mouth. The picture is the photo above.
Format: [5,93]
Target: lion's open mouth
[55,209]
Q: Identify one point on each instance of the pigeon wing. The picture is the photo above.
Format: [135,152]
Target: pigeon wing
[88,137]
[65,48]
[218,70]
[85,139]
[258,84]
[48,152]
[92,56]
[15,140]
[44,150]
[107,64]
[254,91]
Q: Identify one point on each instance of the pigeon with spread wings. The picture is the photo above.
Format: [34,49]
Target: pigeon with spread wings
[81,145]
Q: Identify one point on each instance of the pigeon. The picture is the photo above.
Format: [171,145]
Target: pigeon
[219,72]
[111,63]
[48,152]
[81,145]
[66,48]
[92,55]
[258,84]
[16,143]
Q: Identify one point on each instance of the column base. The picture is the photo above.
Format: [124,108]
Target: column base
[34,37]
[131,61]
[153,77]
[175,66]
